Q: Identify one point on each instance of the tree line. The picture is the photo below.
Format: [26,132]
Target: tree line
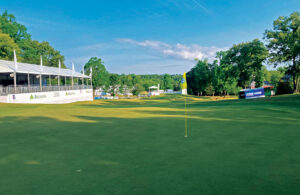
[111,82]
[14,36]
[231,71]
[243,63]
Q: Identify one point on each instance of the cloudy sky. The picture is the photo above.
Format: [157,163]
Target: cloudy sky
[146,36]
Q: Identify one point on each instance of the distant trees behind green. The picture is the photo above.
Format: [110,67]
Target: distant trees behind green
[135,83]
[231,70]
[15,36]
[242,64]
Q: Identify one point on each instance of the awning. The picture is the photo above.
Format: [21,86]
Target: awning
[24,68]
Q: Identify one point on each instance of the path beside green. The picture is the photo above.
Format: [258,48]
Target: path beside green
[138,147]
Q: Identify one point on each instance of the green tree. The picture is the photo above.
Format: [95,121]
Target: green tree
[7,46]
[283,43]
[247,58]
[137,89]
[114,81]
[128,81]
[167,82]
[100,75]
[198,78]
[273,76]
[227,73]
[9,26]
[176,82]
[30,50]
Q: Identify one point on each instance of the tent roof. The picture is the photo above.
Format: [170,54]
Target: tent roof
[9,66]
[153,87]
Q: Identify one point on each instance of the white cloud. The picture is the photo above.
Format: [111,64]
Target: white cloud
[146,43]
[186,52]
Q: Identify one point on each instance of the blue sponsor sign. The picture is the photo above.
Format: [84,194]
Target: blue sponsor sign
[254,93]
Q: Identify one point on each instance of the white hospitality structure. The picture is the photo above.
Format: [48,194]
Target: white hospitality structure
[154,91]
[31,83]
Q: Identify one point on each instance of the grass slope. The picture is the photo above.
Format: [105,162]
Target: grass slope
[138,147]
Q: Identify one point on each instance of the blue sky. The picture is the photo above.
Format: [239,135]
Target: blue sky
[146,36]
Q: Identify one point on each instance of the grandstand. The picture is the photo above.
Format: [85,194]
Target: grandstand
[31,83]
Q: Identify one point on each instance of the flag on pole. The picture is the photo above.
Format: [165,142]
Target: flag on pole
[73,69]
[15,60]
[41,64]
[184,92]
[183,84]
[59,66]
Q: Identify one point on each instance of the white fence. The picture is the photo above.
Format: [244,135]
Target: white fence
[36,88]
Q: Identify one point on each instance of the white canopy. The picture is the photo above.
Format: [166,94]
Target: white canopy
[9,67]
[153,87]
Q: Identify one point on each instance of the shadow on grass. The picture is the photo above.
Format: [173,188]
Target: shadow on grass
[41,155]
[256,151]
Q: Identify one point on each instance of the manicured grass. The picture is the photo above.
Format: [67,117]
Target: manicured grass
[138,147]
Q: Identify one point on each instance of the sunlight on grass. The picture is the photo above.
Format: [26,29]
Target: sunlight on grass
[75,114]
[72,112]
[139,144]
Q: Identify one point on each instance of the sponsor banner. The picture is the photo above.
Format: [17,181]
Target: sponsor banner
[53,97]
[254,93]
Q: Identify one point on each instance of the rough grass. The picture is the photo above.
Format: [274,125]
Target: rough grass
[138,147]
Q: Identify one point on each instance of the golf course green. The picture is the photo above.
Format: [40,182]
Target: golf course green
[138,147]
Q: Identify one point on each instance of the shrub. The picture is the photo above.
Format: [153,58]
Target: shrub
[284,88]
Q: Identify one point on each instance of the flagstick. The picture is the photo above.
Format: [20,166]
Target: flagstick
[186,131]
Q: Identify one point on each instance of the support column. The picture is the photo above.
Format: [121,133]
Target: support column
[15,81]
[58,82]
[41,82]
[28,78]
[50,80]
[72,82]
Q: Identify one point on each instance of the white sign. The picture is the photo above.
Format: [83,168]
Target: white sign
[53,97]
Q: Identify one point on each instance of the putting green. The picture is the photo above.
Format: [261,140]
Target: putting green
[138,147]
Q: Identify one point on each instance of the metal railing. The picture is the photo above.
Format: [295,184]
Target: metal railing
[36,88]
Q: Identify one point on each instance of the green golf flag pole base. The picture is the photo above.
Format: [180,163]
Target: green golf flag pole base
[184,92]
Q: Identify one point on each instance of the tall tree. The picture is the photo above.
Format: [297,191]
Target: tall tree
[198,78]
[226,72]
[9,26]
[167,82]
[247,58]
[284,44]
[100,75]
[7,46]
[30,50]
[114,81]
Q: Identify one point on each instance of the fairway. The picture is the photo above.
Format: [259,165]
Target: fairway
[138,147]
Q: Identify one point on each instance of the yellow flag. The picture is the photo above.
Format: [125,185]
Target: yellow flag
[184,84]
